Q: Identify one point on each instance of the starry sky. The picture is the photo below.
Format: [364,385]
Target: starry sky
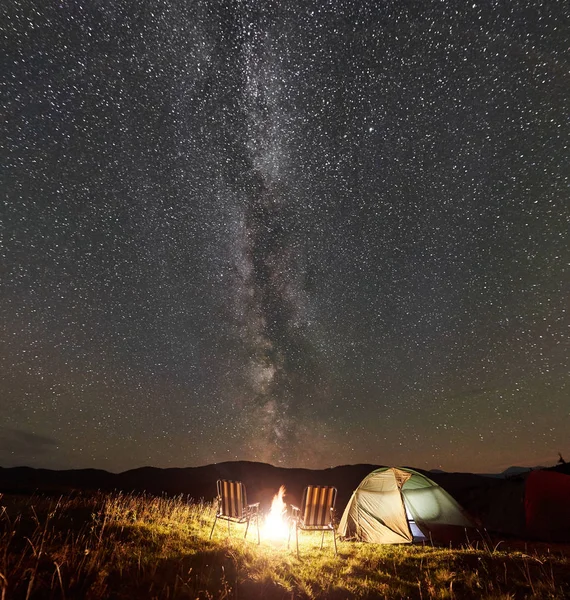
[304,232]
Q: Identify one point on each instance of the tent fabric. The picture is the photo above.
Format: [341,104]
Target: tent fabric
[547,506]
[376,511]
[501,507]
[379,493]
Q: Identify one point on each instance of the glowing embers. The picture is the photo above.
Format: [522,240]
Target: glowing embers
[276,526]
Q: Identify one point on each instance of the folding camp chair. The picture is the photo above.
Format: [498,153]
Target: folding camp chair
[316,513]
[233,506]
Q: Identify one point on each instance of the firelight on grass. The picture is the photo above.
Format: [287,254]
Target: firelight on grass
[276,526]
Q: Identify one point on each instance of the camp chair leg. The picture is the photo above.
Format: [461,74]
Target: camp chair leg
[246,528]
[229,532]
[297,540]
[258,536]
[322,539]
[334,540]
[215,521]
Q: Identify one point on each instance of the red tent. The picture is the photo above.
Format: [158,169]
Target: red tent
[547,506]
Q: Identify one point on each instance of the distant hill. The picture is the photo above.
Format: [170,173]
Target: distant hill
[515,471]
[262,480]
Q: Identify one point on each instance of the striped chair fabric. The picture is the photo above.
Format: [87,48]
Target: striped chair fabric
[316,506]
[233,498]
[316,513]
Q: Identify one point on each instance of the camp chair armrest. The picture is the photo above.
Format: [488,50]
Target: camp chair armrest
[253,507]
[295,513]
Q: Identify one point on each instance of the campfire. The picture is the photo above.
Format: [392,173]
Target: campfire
[276,525]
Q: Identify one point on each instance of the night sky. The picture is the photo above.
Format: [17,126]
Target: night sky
[304,233]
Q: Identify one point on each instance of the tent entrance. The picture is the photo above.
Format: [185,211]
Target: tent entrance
[417,533]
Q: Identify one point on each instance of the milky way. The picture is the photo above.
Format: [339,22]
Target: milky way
[308,233]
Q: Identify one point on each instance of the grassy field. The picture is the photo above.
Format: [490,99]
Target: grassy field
[124,546]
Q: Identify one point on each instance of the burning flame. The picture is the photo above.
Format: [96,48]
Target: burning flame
[276,526]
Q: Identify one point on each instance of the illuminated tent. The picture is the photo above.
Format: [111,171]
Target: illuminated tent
[398,506]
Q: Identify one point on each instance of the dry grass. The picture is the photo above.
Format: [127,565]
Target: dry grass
[126,546]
